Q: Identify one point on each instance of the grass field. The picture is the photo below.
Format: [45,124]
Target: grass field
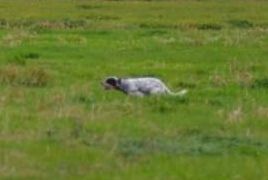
[57,122]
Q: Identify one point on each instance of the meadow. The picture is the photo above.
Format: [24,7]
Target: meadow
[57,122]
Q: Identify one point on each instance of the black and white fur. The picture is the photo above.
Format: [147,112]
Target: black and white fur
[140,86]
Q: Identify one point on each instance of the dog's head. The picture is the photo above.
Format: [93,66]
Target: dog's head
[111,83]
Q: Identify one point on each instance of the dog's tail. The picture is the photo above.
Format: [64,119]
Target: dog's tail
[180,93]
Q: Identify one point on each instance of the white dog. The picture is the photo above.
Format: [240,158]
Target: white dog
[139,86]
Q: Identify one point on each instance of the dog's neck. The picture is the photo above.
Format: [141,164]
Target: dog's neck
[119,87]
[119,81]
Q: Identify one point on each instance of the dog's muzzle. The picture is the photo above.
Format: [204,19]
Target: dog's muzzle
[106,86]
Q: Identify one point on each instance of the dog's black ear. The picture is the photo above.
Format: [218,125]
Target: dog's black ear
[112,81]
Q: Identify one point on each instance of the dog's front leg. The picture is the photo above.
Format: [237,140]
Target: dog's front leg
[136,93]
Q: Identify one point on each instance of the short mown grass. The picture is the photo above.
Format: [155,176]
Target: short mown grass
[56,121]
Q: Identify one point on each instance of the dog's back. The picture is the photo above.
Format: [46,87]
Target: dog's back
[145,85]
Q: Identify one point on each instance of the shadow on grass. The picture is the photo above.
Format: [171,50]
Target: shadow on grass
[166,104]
[192,146]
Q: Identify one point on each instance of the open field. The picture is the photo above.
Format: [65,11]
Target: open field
[56,121]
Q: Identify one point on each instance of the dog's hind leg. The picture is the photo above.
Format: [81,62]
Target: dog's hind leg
[157,91]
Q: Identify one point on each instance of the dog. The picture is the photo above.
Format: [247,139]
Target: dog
[142,86]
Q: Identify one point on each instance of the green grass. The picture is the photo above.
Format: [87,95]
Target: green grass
[57,122]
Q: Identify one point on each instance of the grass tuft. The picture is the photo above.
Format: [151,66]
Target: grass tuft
[209,26]
[241,23]
[26,76]
[260,83]
[152,25]
[17,61]
[35,77]
[88,6]
[30,55]
[3,23]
